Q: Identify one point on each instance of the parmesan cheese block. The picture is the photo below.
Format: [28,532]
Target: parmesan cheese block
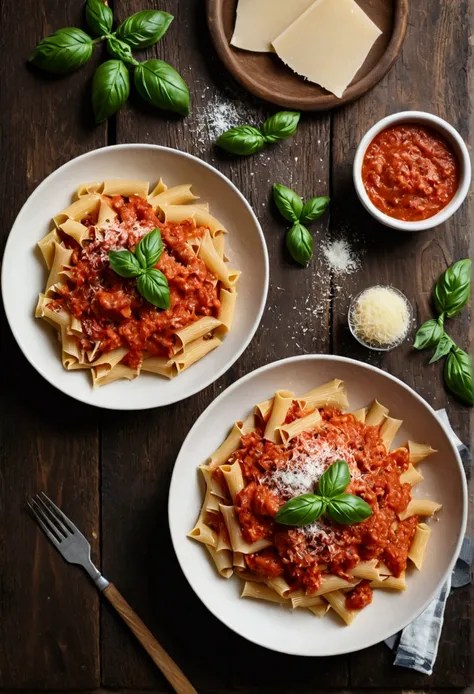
[260,21]
[328,43]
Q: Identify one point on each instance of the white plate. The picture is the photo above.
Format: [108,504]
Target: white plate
[298,632]
[24,275]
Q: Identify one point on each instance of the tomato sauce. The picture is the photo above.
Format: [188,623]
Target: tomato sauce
[359,597]
[270,473]
[109,307]
[410,172]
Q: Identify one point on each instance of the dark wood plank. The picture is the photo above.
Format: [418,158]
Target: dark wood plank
[431,75]
[48,610]
[469,690]
[139,452]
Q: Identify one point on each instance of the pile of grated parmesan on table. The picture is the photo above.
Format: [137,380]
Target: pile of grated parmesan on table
[219,113]
[340,257]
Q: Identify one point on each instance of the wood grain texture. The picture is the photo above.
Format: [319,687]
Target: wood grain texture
[469,690]
[266,76]
[48,610]
[49,630]
[430,75]
[168,667]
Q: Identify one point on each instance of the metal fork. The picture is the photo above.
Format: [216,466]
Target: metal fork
[75,549]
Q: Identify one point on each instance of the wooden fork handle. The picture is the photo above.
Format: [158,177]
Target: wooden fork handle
[160,657]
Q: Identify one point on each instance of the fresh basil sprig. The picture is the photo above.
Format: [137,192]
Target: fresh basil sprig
[151,282]
[314,209]
[458,375]
[144,28]
[450,295]
[347,509]
[110,89]
[248,139]
[301,510]
[289,204]
[298,239]
[120,50]
[443,348]
[64,51]
[153,285]
[99,17]
[329,498]
[156,81]
[452,290]
[280,126]
[163,87]
[430,333]
[299,243]
[243,139]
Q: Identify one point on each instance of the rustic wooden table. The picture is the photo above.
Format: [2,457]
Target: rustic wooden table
[110,470]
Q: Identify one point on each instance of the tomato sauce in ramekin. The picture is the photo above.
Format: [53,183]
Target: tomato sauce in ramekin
[410,172]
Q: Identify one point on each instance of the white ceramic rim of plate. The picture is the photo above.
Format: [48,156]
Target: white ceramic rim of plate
[217,374]
[456,141]
[323,357]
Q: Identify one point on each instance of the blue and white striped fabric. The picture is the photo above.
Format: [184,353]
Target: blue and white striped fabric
[416,646]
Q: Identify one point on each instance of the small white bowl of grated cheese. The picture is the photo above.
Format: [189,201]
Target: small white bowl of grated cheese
[380,317]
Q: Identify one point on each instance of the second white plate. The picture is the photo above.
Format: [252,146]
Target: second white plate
[297,632]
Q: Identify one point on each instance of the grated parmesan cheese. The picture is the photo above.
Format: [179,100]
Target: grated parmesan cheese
[380,317]
[309,460]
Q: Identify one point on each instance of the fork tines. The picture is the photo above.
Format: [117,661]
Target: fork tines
[52,520]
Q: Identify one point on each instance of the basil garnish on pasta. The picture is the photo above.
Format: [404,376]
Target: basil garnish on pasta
[329,498]
[151,282]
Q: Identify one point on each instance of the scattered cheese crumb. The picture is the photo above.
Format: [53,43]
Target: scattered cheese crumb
[340,257]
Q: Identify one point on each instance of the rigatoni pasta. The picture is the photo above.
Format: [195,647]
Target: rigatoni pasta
[97,312]
[278,453]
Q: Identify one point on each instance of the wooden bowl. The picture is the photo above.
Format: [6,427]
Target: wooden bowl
[266,76]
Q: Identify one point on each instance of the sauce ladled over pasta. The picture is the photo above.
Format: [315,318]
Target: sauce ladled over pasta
[273,474]
[111,311]
[273,513]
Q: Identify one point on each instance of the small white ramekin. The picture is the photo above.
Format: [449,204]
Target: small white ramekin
[454,139]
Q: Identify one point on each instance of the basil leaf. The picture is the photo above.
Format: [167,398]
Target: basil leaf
[120,50]
[110,89]
[99,17]
[302,510]
[430,333]
[452,290]
[163,87]
[153,285]
[348,509]
[299,244]
[124,264]
[335,480]
[280,126]
[149,249]
[243,139]
[289,204]
[458,375]
[144,28]
[442,348]
[314,209]
[64,51]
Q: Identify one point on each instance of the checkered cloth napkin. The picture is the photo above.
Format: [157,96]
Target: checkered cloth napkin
[416,646]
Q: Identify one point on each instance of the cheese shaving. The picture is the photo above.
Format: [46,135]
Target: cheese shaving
[309,460]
